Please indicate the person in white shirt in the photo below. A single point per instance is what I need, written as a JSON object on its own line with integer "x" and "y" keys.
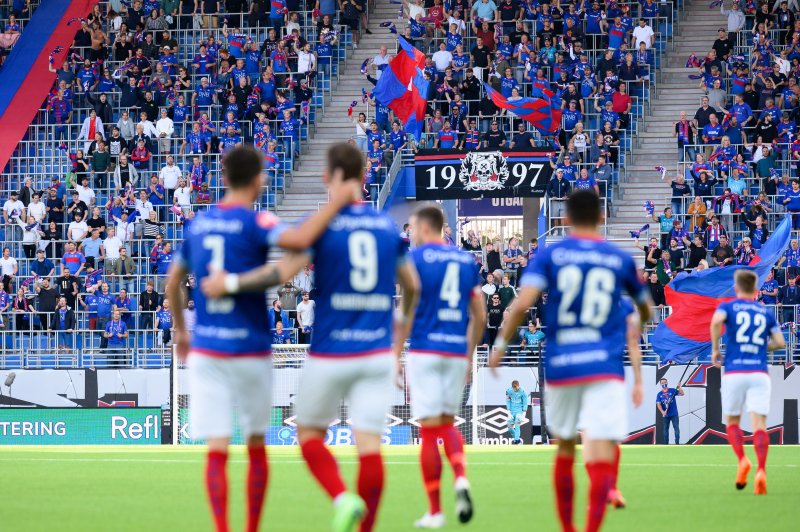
{"x": 11, "y": 208}
{"x": 415, "y": 8}
{"x": 145, "y": 208}
{"x": 306, "y": 59}
{"x": 124, "y": 228}
{"x": 8, "y": 268}
{"x": 36, "y": 208}
{"x": 305, "y": 318}
{"x": 111, "y": 246}
{"x": 643, "y": 33}
{"x": 380, "y": 60}
{"x": 190, "y": 315}
{"x": 77, "y": 230}
{"x": 442, "y": 59}
{"x": 169, "y": 175}
{"x": 165, "y": 129}
{"x": 85, "y": 193}
{"x": 183, "y": 196}
{"x": 148, "y": 128}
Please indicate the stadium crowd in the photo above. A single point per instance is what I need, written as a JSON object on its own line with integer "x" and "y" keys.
{"x": 151, "y": 94}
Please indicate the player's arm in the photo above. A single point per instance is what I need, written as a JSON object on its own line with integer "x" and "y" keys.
{"x": 408, "y": 280}
{"x": 221, "y": 283}
{"x": 776, "y": 340}
{"x": 633, "y": 334}
{"x": 477, "y": 322}
{"x": 526, "y": 298}
{"x": 716, "y": 333}
{"x": 301, "y": 237}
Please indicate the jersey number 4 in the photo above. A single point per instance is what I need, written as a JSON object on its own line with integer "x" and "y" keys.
{"x": 595, "y": 305}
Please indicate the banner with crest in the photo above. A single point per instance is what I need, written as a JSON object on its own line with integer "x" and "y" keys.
{"x": 485, "y": 173}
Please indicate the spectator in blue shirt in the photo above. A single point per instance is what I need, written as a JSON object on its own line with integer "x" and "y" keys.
{"x": 116, "y": 336}
{"x": 791, "y": 201}
{"x": 281, "y": 336}
{"x": 164, "y": 323}
{"x": 668, "y": 407}
{"x": 768, "y": 294}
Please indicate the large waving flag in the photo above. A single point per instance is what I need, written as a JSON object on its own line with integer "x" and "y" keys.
{"x": 543, "y": 111}
{"x": 403, "y": 88}
{"x": 25, "y": 79}
{"x": 685, "y": 334}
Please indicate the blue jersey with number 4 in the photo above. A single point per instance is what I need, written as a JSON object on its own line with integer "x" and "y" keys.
{"x": 585, "y": 279}
{"x": 355, "y": 261}
{"x": 748, "y": 326}
{"x": 449, "y": 279}
{"x": 235, "y": 239}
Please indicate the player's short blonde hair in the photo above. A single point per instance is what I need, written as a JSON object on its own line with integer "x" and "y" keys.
{"x": 746, "y": 281}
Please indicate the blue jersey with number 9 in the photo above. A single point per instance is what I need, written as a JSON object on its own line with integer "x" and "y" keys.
{"x": 748, "y": 326}
{"x": 355, "y": 263}
{"x": 235, "y": 239}
{"x": 585, "y": 330}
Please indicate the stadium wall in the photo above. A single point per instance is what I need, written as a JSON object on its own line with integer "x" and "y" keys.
{"x": 108, "y": 406}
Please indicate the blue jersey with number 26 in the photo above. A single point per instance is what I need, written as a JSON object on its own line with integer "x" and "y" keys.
{"x": 355, "y": 261}
{"x": 748, "y": 326}
{"x": 235, "y": 239}
{"x": 585, "y": 279}
{"x": 448, "y": 277}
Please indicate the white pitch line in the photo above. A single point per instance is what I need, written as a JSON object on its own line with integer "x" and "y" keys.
{"x": 388, "y": 462}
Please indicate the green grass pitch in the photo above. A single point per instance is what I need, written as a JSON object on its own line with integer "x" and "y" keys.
{"x": 160, "y": 488}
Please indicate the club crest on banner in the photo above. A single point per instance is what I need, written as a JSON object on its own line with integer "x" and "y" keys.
{"x": 483, "y": 171}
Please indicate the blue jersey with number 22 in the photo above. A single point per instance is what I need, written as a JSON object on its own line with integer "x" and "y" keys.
{"x": 585, "y": 279}
{"x": 355, "y": 261}
{"x": 449, "y": 278}
{"x": 235, "y": 239}
{"x": 748, "y": 326}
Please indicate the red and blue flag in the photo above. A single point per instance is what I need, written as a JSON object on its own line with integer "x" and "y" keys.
{"x": 694, "y": 297}
{"x": 403, "y": 88}
{"x": 543, "y": 110}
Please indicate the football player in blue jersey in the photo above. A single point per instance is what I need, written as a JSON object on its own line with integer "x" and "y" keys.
{"x": 230, "y": 347}
{"x": 357, "y": 260}
{"x": 750, "y": 332}
{"x": 448, "y": 324}
{"x": 585, "y": 277}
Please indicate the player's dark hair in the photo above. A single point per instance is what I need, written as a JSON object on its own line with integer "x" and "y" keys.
{"x": 348, "y": 159}
{"x": 431, "y": 215}
{"x": 583, "y": 208}
{"x": 241, "y": 166}
{"x": 746, "y": 281}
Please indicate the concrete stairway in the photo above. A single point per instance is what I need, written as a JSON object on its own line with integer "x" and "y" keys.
{"x": 307, "y": 190}
{"x": 675, "y": 93}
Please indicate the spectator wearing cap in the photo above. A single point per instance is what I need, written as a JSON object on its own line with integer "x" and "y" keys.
{"x": 12, "y": 208}
{"x": 42, "y": 266}
{"x": 724, "y": 44}
{"x": 722, "y": 255}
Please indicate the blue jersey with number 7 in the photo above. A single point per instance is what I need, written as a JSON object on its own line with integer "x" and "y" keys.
{"x": 585, "y": 330}
{"x": 355, "y": 262}
{"x": 748, "y": 327}
{"x": 235, "y": 239}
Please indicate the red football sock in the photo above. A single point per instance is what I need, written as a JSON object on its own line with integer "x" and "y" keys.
{"x": 761, "y": 444}
{"x": 736, "y": 439}
{"x": 370, "y": 487}
{"x": 454, "y": 449}
{"x": 601, "y": 474}
{"x": 257, "y": 475}
{"x": 323, "y": 466}
{"x": 431, "y": 463}
{"x": 217, "y": 488}
{"x": 617, "y": 456}
{"x": 565, "y": 489}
